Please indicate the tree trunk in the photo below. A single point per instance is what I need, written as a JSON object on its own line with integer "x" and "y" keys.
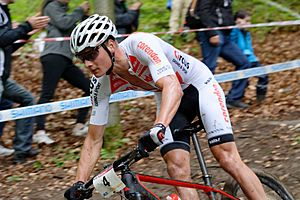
{"x": 106, "y": 7}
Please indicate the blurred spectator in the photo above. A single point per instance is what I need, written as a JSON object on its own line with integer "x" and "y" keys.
{"x": 215, "y": 43}
{"x": 169, "y": 4}
{"x": 127, "y": 20}
{"x": 178, "y": 11}
{"x": 242, "y": 38}
{"x": 4, "y": 105}
{"x": 11, "y": 90}
{"x": 57, "y": 63}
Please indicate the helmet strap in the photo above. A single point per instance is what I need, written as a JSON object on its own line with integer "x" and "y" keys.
{"x": 112, "y": 58}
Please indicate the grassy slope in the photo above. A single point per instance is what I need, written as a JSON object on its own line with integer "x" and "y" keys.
{"x": 154, "y": 15}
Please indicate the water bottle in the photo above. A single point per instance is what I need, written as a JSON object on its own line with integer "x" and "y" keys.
{"x": 173, "y": 197}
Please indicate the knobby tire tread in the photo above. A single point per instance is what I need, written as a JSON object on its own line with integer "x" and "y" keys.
{"x": 232, "y": 187}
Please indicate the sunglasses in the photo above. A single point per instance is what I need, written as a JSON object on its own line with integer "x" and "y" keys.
{"x": 89, "y": 54}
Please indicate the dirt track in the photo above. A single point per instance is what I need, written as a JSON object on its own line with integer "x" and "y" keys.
{"x": 263, "y": 144}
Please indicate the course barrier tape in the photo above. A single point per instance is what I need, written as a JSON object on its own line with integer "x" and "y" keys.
{"x": 282, "y": 23}
{"x": 59, "y": 106}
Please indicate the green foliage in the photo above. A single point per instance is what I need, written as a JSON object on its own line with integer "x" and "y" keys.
{"x": 22, "y": 9}
{"x": 154, "y": 16}
{"x": 59, "y": 161}
{"x": 37, "y": 165}
{"x": 113, "y": 140}
{"x": 14, "y": 178}
{"x": 262, "y": 12}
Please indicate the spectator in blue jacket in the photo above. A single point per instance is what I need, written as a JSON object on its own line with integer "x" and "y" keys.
{"x": 215, "y": 43}
{"x": 242, "y": 38}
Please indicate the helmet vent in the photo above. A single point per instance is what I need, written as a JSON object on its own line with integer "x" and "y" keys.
{"x": 93, "y": 37}
{"x": 91, "y": 32}
{"x": 80, "y": 42}
{"x": 106, "y": 26}
{"x": 81, "y": 29}
{"x": 101, "y": 36}
{"x": 98, "y": 26}
{"x": 90, "y": 26}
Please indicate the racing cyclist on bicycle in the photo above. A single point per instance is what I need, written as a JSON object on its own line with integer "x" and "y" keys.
{"x": 184, "y": 87}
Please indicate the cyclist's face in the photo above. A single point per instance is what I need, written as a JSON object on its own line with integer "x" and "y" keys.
{"x": 96, "y": 60}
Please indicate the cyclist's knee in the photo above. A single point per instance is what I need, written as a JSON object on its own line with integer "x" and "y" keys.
{"x": 229, "y": 163}
{"x": 178, "y": 171}
{"x": 178, "y": 164}
{"x": 228, "y": 157}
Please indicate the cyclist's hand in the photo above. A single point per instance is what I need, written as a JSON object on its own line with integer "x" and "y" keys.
{"x": 153, "y": 138}
{"x": 78, "y": 192}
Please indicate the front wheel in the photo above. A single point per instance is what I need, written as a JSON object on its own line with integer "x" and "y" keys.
{"x": 275, "y": 190}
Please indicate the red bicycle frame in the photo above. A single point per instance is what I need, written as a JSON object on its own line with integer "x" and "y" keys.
{"x": 164, "y": 181}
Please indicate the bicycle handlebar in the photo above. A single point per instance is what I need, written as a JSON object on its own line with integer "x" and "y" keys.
{"x": 136, "y": 154}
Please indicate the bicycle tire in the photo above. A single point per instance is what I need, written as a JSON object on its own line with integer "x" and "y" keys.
{"x": 270, "y": 183}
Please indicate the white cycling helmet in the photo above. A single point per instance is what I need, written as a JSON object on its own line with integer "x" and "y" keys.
{"x": 92, "y": 32}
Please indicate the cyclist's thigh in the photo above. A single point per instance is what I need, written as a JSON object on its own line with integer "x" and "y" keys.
{"x": 186, "y": 113}
{"x": 214, "y": 114}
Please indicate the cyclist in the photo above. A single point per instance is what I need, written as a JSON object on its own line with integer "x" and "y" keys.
{"x": 184, "y": 87}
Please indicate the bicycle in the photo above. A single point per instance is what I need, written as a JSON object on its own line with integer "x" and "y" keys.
{"x": 128, "y": 183}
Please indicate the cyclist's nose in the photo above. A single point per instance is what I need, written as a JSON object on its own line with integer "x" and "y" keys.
{"x": 88, "y": 64}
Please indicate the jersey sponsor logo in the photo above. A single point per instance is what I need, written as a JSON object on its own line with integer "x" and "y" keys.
{"x": 179, "y": 78}
{"x": 208, "y": 80}
{"x": 217, "y": 130}
{"x": 30, "y": 111}
{"x": 140, "y": 70}
{"x": 163, "y": 69}
{"x": 94, "y": 90}
{"x": 137, "y": 67}
{"x": 181, "y": 62}
{"x": 221, "y": 103}
{"x": 215, "y": 140}
{"x": 116, "y": 83}
{"x": 148, "y": 50}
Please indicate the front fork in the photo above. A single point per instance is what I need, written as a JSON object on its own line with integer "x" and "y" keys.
{"x": 130, "y": 191}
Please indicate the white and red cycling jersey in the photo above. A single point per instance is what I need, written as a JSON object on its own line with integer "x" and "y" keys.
{"x": 150, "y": 59}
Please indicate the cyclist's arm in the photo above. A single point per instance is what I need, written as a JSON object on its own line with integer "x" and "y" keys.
{"x": 149, "y": 51}
{"x": 170, "y": 101}
{"x": 90, "y": 152}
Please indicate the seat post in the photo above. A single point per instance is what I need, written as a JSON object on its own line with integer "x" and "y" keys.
{"x": 206, "y": 177}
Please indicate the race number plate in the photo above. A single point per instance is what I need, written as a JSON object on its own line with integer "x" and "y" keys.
{"x": 108, "y": 183}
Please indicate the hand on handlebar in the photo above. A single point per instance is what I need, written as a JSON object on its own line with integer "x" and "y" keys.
{"x": 152, "y": 138}
{"x": 78, "y": 192}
